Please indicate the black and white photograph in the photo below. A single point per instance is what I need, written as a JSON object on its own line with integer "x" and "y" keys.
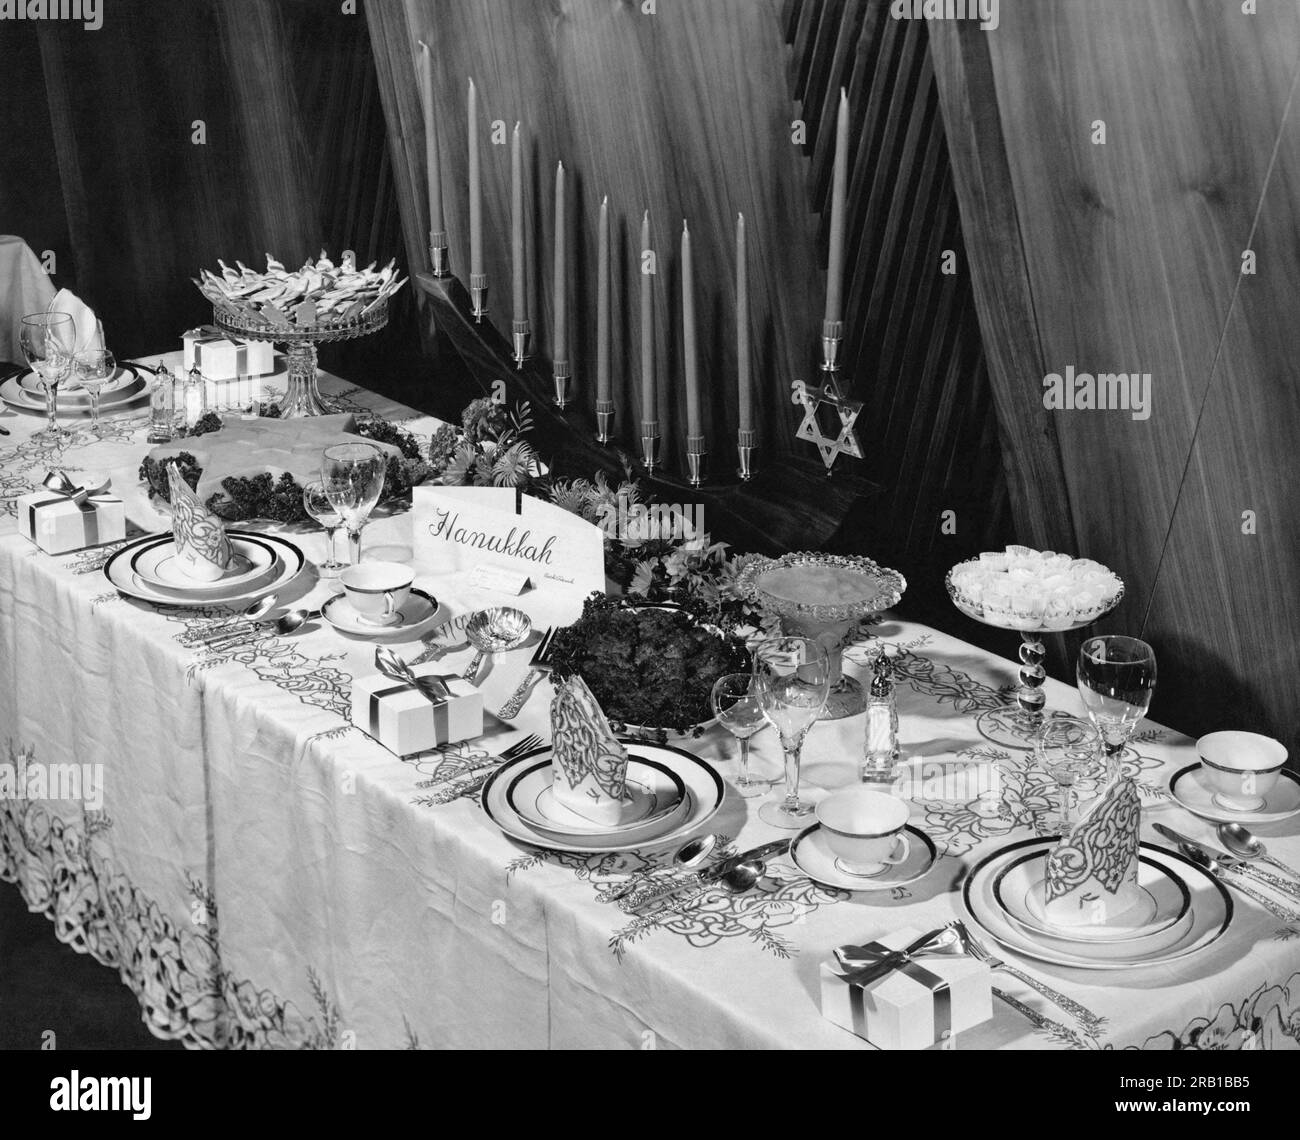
{"x": 683, "y": 526}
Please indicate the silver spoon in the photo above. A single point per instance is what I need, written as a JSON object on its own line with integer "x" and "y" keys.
{"x": 495, "y": 631}
{"x": 744, "y": 875}
{"x": 1245, "y": 843}
{"x": 293, "y": 620}
{"x": 1219, "y": 870}
{"x": 696, "y": 851}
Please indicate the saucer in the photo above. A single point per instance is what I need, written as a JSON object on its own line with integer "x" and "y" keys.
{"x": 814, "y": 858}
{"x": 1282, "y": 801}
{"x": 415, "y": 612}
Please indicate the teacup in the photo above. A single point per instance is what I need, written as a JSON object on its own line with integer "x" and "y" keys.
{"x": 864, "y": 830}
{"x": 1240, "y": 768}
{"x": 377, "y": 590}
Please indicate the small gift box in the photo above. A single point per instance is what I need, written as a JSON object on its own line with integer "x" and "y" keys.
{"x": 64, "y": 516}
{"x": 220, "y": 357}
{"x": 407, "y": 710}
{"x": 907, "y": 991}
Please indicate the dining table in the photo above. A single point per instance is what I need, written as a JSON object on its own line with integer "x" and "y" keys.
{"x": 263, "y": 874}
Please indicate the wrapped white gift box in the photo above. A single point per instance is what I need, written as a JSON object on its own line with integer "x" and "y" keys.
{"x": 405, "y": 720}
{"x": 924, "y": 1003}
{"x": 58, "y": 524}
{"x": 220, "y": 358}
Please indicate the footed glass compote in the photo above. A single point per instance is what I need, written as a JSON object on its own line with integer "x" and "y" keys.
{"x": 1017, "y": 726}
{"x": 824, "y": 597}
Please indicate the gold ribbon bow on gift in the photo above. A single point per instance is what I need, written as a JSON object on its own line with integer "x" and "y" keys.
{"x": 863, "y": 965}
{"x": 59, "y": 483}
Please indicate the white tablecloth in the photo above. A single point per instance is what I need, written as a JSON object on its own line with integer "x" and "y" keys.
{"x": 263, "y": 874}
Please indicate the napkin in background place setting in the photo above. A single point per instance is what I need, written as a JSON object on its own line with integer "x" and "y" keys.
{"x": 89, "y": 334}
{"x": 1092, "y": 873}
{"x": 202, "y": 549}
{"x": 589, "y": 765}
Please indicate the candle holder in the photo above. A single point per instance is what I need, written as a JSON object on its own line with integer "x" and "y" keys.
{"x": 521, "y": 332}
{"x": 478, "y": 291}
{"x": 746, "y": 441}
{"x": 562, "y": 376}
{"x": 439, "y": 255}
{"x": 649, "y": 444}
{"x": 604, "y": 420}
{"x": 832, "y": 336}
{"x": 696, "y": 451}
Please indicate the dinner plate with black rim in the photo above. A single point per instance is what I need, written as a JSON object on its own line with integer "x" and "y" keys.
{"x": 1163, "y": 901}
{"x": 704, "y": 794}
{"x": 657, "y": 794}
{"x": 126, "y": 581}
{"x": 254, "y": 559}
{"x": 815, "y": 859}
{"x": 1211, "y": 911}
{"x": 1282, "y": 801}
{"x": 18, "y": 393}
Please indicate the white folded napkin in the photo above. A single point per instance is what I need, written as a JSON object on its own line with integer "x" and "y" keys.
{"x": 89, "y": 335}
{"x": 589, "y": 765}
{"x": 202, "y": 549}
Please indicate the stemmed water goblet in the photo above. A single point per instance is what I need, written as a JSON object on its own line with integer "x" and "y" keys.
{"x": 317, "y": 504}
{"x": 48, "y": 341}
{"x": 1070, "y": 751}
{"x": 1116, "y": 677}
{"x": 94, "y": 368}
{"x": 792, "y": 676}
{"x": 353, "y": 476}
{"x": 736, "y": 702}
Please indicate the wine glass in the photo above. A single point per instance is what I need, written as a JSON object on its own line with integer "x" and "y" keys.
{"x": 353, "y": 475}
{"x": 48, "y": 341}
{"x": 1117, "y": 676}
{"x": 317, "y": 504}
{"x": 736, "y": 703}
{"x": 1070, "y": 751}
{"x": 792, "y": 676}
{"x": 95, "y": 368}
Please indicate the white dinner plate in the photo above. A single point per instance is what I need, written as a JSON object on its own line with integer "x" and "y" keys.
{"x": 1282, "y": 801}
{"x": 1211, "y": 911}
{"x": 254, "y": 561}
{"x": 124, "y": 385}
{"x": 415, "y": 613}
{"x": 16, "y": 393}
{"x": 1163, "y": 902}
{"x": 815, "y": 859}
{"x": 658, "y": 797}
{"x": 704, "y": 794}
{"x": 126, "y": 581}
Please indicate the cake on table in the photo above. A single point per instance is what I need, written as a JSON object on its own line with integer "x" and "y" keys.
{"x": 588, "y": 764}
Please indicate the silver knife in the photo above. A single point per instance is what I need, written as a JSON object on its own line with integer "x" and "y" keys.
{"x": 1232, "y": 862}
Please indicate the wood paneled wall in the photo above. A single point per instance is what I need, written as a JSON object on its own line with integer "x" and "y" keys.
{"x": 1127, "y": 256}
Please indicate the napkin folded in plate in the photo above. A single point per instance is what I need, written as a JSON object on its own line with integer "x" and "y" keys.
{"x": 588, "y": 765}
{"x": 202, "y": 549}
{"x": 89, "y": 334}
{"x": 1092, "y": 873}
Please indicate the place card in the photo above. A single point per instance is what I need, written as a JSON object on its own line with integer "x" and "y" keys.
{"x": 499, "y": 579}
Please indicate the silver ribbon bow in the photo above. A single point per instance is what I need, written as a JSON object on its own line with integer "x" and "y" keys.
{"x": 59, "y": 483}
{"x": 395, "y": 669}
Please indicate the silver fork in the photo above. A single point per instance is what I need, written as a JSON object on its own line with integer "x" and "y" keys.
{"x": 538, "y": 667}
{"x": 976, "y": 949}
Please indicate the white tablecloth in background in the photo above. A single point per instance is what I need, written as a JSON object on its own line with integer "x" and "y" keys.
{"x": 24, "y": 288}
{"x": 263, "y": 874}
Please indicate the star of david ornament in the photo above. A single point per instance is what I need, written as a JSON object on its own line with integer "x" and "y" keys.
{"x": 828, "y": 394}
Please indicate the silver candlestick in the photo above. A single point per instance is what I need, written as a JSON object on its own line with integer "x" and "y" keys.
{"x": 478, "y": 291}
{"x": 439, "y": 256}
{"x": 562, "y": 376}
{"x": 695, "y": 453}
{"x": 604, "y": 420}
{"x": 832, "y": 336}
{"x": 521, "y": 332}
{"x": 746, "y": 441}
{"x": 649, "y": 444}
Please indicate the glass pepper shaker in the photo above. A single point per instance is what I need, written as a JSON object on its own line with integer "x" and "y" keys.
{"x": 162, "y": 406}
{"x": 880, "y": 753}
{"x": 195, "y": 398}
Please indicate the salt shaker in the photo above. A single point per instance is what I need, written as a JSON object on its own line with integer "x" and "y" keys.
{"x": 195, "y": 397}
{"x": 162, "y": 406}
{"x": 880, "y": 753}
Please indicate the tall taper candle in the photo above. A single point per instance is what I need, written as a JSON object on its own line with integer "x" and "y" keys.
{"x": 560, "y": 339}
{"x": 475, "y": 189}
{"x": 693, "y": 427}
{"x": 436, "y": 224}
{"x": 517, "y": 227}
{"x": 602, "y": 303}
{"x": 648, "y": 401}
{"x": 746, "y": 401}
{"x": 839, "y": 184}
